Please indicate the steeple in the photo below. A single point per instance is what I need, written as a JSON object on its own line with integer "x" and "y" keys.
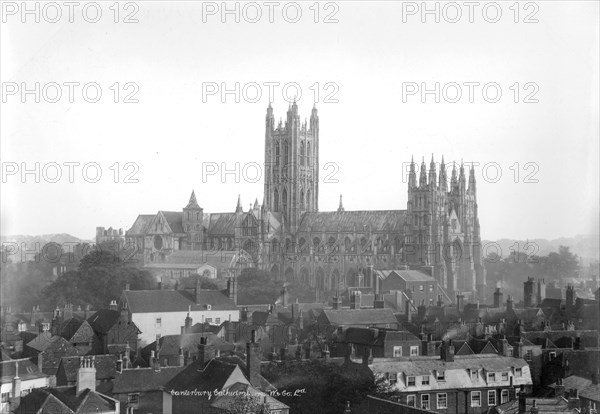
{"x": 453, "y": 180}
{"x": 432, "y": 173}
{"x": 412, "y": 175}
{"x": 263, "y": 207}
{"x": 255, "y": 207}
{"x": 443, "y": 182}
{"x": 461, "y": 177}
{"x": 423, "y": 174}
{"x": 472, "y": 187}
{"x": 341, "y": 207}
{"x": 193, "y": 203}
{"x": 238, "y": 208}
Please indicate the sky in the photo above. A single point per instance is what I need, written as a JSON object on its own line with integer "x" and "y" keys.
{"x": 101, "y": 162}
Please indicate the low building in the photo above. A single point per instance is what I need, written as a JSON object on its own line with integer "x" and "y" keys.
{"x": 381, "y": 343}
{"x": 163, "y": 312}
{"x": 18, "y": 377}
{"x": 451, "y": 384}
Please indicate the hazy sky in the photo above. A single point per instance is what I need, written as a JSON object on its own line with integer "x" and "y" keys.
{"x": 369, "y": 56}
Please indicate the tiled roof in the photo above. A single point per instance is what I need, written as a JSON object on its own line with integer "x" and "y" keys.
{"x": 45, "y": 341}
{"x": 374, "y": 336}
{"x": 224, "y": 402}
{"x": 27, "y": 370}
{"x": 380, "y": 221}
{"x": 545, "y": 406}
{"x": 359, "y": 316}
{"x": 84, "y": 401}
{"x": 140, "y": 225}
{"x": 213, "y": 377}
{"x": 143, "y": 379}
{"x": 407, "y": 275}
{"x": 105, "y": 367}
{"x": 222, "y": 224}
{"x": 142, "y": 301}
{"x": 174, "y": 220}
{"x": 587, "y": 389}
{"x": 41, "y": 401}
{"x": 170, "y": 344}
{"x": 85, "y": 333}
{"x": 103, "y": 320}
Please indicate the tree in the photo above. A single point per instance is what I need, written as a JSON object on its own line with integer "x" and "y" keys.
{"x": 256, "y": 286}
{"x": 189, "y": 282}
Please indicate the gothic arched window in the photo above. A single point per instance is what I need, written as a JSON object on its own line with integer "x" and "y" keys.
{"x": 308, "y": 203}
{"x": 284, "y": 200}
{"x": 276, "y": 201}
{"x": 302, "y": 153}
{"x": 301, "y": 200}
{"x": 277, "y": 153}
{"x": 308, "y": 154}
{"x": 285, "y": 154}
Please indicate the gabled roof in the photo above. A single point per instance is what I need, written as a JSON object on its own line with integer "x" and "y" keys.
{"x": 193, "y": 259}
{"x": 140, "y": 225}
{"x": 214, "y": 376}
{"x": 380, "y": 221}
{"x": 87, "y": 398}
{"x": 41, "y": 401}
{"x": 103, "y": 320}
{"x": 587, "y": 389}
{"x": 374, "y": 336}
{"x": 45, "y": 341}
{"x": 170, "y": 344}
{"x": 143, "y": 379}
{"x": 105, "y": 367}
{"x": 143, "y": 301}
{"x": 174, "y": 220}
{"x": 85, "y": 333}
{"x": 407, "y": 275}
{"x": 224, "y": 402}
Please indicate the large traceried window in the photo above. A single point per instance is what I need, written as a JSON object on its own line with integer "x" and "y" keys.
{"x": 277, "y": 153}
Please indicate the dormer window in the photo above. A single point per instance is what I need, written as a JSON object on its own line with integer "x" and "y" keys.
{"x": 474, "y": 375}
{"x": 410, "y": 381}
{"x": 505, "y": 376}
{"x": 491, "y": 376}
{"x": 441, "y": 375}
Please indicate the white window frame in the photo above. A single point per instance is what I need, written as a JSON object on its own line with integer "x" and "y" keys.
{"x": 412, "y": 397}
{"x": 504, "y": 376}
{"x": 473, "y": 394}
{"x": 440, "y": 376}
{"x": 392, "y": 377}
{"x": 518, "y": 372}
{"x": 474, "y": 375}
{"x": 428, "y": 402}
{"x": 158, "y": 322}
{"x": 445, "y": 405}
{"x": 491, "y": 377}
{"x": 397, "y": 351}
{"x": 408, "y": 381}
{"x": 424, "y": 379}
{"x": 415, "y": 349}
{"x": 492, "y": 393}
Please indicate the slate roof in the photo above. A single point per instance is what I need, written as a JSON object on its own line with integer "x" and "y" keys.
{"x": 140, "y": 225}
{"x": 105, "y": 368}
{"x": 103, "y": 320}
{"x": 174, "y": 220}
{"x": 381, "y": 221}
{"x": 84, "y": 401}
{"x": 358, "y": 316}
{"x": 377, "y": 337}
{"x": 545, "y": 406}
{"x": 40, "y": 400}
{"x": 222, "y": 224}
{"x": 143, "y": 379}
{"x": 144, "y": 301}
{"x": 192, "y": 259}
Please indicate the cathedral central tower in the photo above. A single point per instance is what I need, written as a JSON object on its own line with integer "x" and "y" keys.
{"x": 292, "y": 166}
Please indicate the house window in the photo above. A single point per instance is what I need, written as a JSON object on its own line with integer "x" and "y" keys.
{"x": 133, "y": 399}
{"x": 158, "y": 322}
{"x": 425, "y": 401}
{"x": 6, "y": 397}
{"x": 425, "y": 380}
{"x": 491, "y": 376}
{"x": 208, "y": 320}
{"x": 474, "y": 375}
{"x": 410, "y": 381}
{"x": 218, "y": 321}
{"x": 431, "y": 288}
{"x": 505, "y": 376}
{"x": 421, "y": 288}
{"x": 414, "y": 351}
{"x": 442, "y": 401}
{"x": 441, "y": 376}
{"x": 491, "y": 398}
{"x": 410, "y": 400}
{"x": 392, "y": 377}
{"x": 519, "y": 372}
{"x": 397, "y": 351}
{"x": 504, "y": 396}
{"x": 475, "y": 398}
{"x": 529, "y": 355}
{"x": 552, "y": 355}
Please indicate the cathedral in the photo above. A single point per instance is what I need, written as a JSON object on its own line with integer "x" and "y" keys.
{"x": 438, "y": 232}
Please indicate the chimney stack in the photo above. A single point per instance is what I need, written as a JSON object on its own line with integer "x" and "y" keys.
{"x": 232, "y": 289}
{"x": 253, "y": 360}
{"x": 408, "y": 310}
{"x": 447, "y": 351}
{"x": 337, "y": 302}
{"x": 86, "y": 374}
{"x": 460, "y": 299}
{"x": 498, "y": 298}
{"x": 509, "y": 304}
{"x": 355, "y": 300}
{"x": 113, "y": 305}
{"x": 197, "y": 292}
{"x": 181, "y": 358}
{"x": 16, "y": 386}
{"x": 205, "y": 352}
